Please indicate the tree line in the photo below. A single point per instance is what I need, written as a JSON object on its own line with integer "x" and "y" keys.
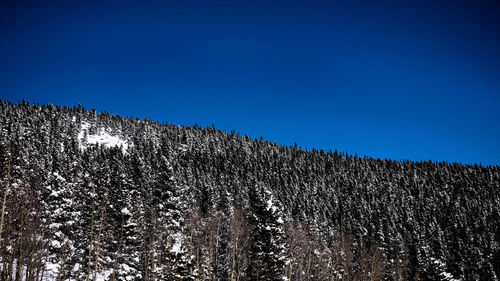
{"x": 193, "y": 203}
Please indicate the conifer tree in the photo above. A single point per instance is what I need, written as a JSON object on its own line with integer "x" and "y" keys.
{"x": 267, "y": 250}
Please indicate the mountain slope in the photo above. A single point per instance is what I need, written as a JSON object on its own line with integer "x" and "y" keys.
{"x": 95, "y": 196}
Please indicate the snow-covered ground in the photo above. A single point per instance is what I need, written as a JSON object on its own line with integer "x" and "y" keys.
{"x": 102, "y": 138}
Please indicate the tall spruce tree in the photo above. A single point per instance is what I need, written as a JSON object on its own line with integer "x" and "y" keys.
{"x": 267, "y": 249}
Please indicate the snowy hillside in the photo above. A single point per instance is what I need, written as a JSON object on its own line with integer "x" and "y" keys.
{"x": 99, "y": 197}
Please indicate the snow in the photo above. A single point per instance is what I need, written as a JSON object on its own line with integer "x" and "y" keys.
{"x": 125, "y": 211}
{"x": 51, "y": 271}
{"x": 55, "y": 244}
{"x": 176, "y": 247}
{"x": 102, "y": 276}
{"x": 59, "y": 177}
{"x": 101, "y": 138}
{"x": 183, "y": 148}
{"x": 76, "y": 268}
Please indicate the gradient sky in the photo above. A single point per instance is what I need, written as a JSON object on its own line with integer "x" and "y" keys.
{"x": 412, "y": 80}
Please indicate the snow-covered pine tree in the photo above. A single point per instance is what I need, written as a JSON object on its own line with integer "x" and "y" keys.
{"x": 267, "y": 249}
{"x": 171, "y": 259}
{"x": 220, "y": 267}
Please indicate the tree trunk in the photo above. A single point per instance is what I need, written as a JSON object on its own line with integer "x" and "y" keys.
{"x": 101, "y": 223}
{"x": 5, "y": 199}
{"x": 117, "y": 254}
{"x": 91, "y": 242}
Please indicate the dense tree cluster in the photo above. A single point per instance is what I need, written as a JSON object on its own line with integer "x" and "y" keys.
{"x": 192, "y": 203}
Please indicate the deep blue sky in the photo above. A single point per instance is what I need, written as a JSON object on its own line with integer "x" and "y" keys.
{"x": 412, "y": 80}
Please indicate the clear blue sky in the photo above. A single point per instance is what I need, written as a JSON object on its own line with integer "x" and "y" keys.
{"x": 412, "y": 80}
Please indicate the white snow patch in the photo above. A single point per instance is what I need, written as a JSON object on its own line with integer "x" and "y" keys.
{"x": 51, "y": 270}
{"x": 183, "y": 148}
{"x": 101, "y": 138}
{"x": 104, "y": 275}
{"x": 55, "y": 244}
{"x": 176, "y": 247}
{"x": 58, "y": 177}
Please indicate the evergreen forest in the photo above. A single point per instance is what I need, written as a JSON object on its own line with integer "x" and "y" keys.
{"x": 93, "y": 196}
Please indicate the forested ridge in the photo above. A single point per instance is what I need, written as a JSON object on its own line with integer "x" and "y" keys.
{"x": 94, "y": 196}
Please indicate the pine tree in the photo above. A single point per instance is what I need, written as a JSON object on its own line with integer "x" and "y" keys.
{"x": 220, "y": 266}
{"x": 267, "y": 250}
{"x": 172, "y": 259}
